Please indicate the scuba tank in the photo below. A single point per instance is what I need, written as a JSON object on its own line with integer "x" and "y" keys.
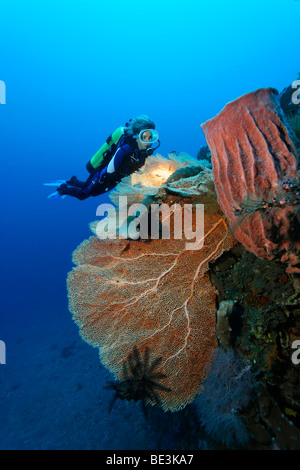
{"x": 97, "y": 159}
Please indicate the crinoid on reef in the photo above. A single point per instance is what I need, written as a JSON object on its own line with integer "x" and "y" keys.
{"x": 140, "y": 379}
{"x": 155, "y": 293}
{"x": 288, "y": 195}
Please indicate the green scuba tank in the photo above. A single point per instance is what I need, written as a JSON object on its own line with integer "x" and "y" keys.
{"x": 97, "y": 159}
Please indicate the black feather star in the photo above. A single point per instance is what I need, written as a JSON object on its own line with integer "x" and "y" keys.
{"x": 140, "y": 380}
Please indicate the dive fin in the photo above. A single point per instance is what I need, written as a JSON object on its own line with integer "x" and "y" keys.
{"x": 55, "y": 183}
{"x": 55, "y": 195}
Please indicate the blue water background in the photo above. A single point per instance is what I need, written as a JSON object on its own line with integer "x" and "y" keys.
{"x": 74, "y": 71}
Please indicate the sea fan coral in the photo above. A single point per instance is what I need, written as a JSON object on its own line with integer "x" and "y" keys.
{"x": 157, "y": 169}
{"x": 140, "y": 379}
{"x": 153, "y": 175}
{"x": 154, "y": 294}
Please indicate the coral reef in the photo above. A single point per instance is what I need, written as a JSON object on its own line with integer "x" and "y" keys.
{"x": 157, "y": 311}
{"x": 294, "y": 122}
{"x": 268, "y": 301}
{"x": 256, "y": 173}
{"x": 204, "y": 156}
{"x": 223, "y": 329}
{"x": 227, "y": 390}
{"x": 157, "y": 169}
{"x": 286, "y": 101}
{"x": 155, "y": 293}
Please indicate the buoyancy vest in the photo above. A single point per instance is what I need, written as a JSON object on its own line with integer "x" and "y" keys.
{"x": 102, "y": 156}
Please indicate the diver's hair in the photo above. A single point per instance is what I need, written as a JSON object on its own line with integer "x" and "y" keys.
{"x": 136, "y": 125}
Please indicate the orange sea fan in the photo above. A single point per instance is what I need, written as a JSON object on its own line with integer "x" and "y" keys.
{"x": 152, "y": 294}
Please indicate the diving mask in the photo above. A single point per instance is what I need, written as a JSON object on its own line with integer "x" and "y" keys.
{"x": 148, "y": 136}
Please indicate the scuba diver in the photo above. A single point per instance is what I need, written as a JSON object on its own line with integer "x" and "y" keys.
{"x": 124, "y": 152}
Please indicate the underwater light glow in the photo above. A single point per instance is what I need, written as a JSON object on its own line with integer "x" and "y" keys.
{"x": 162, "y": 173}
{"x": 155, "y": 175}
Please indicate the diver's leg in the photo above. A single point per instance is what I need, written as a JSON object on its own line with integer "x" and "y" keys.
{"x": 81, "y": 190}
{"x": 91, "y": 187}
{"x": 74, "y": 181}
{"x": 64, "y": 189}
{"x": 103, "y": 187}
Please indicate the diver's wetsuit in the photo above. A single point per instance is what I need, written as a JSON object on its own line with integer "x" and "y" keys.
{"x": 127, "y": 159}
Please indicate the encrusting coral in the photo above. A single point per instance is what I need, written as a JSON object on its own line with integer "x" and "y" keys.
{"x": 256, "y": 173}
{"x": 154, "y": 294}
